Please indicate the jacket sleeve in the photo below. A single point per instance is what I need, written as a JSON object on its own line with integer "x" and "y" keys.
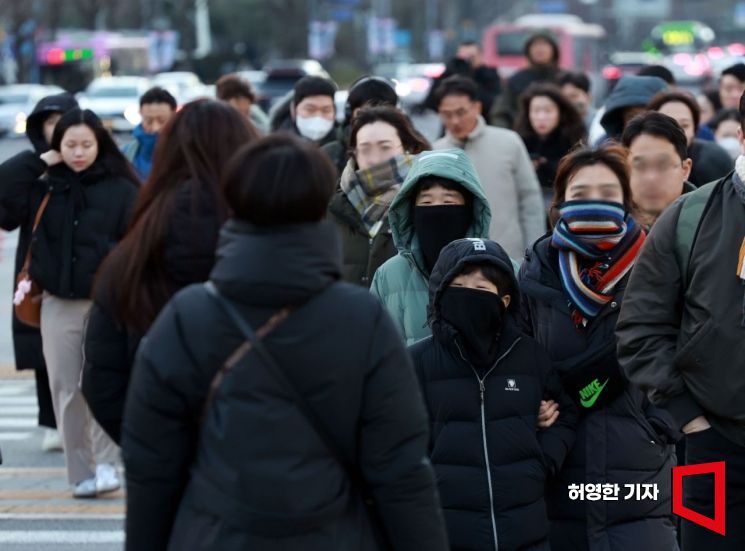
{"x": 558, "y": 439}
{"x": 524, "y": 318}
{"x": 393, "y": 446}
{"x": 531, "y": 211}
{"x": 19, "y": 177}
{"x": 107, "y": 371}
{"x": 650, "y": 319}
{"x": 380, "y": 288}
{"x": 159, "y": 431}
{"x": 502, "y": 110}
{"x": 129, "y": 199}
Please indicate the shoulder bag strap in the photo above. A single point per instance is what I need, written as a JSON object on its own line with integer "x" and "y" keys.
{"x": 37, "y": 221}
{"x": 253, "y": 342}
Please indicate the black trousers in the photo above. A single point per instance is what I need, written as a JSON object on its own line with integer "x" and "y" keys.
{"x": 698, "y": 493}
{"x": 44, "y": 397}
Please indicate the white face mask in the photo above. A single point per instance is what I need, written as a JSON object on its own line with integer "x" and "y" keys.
{"x": 313, "y": 128}
{"x": 731, "y": 146}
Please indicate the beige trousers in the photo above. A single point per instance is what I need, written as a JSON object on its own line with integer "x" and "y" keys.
{"x": 63, "y": 324}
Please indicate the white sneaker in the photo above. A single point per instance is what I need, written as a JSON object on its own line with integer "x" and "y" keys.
{"x": 107, "y": 478}
{"x": 52, "y": 441}
{"x": 85, "y": 489}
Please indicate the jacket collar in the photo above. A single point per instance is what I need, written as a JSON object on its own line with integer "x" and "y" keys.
{"x": 475, "y": 134}
{"x": 276, "y": 266}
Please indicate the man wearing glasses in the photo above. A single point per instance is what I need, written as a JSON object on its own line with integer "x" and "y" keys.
{"x": 659, "y": 161}
{"x": 502, "y": 163}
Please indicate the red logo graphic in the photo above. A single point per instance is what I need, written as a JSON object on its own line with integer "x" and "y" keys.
{"x": 716, "y": 524}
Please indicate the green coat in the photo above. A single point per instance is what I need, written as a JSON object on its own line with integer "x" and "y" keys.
{"x": 402, "y": 282}
{"x": 361, "y": 255}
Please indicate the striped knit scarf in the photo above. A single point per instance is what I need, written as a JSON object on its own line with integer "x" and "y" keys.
{"x": 598, "y": 244}
{"x": 371, "y": 191}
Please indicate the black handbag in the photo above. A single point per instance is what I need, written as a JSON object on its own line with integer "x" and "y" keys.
{"x": 253, "y": 342}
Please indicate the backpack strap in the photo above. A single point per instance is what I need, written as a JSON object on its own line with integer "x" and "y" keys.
{"x": 689, "y": 219}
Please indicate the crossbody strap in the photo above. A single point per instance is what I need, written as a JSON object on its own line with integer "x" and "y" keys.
{"x": 253, "y": 342}
{"x": 37, "y": 221}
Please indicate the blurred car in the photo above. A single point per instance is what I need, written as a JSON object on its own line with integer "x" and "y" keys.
{"x": 254, "y": 78}
{"x": 625, "y": 63}
{"x": 412, "y": 80}
{"x": 17, "y": 101}
{"x": 116, "y": 100}
{"x": 281, "y": 76}
{"x": 689, "y": 69}
{"x": 722, "y": 57}
{"x": 183, "y": 85}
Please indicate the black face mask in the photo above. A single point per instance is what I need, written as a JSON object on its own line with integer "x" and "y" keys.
{"x": 478, "y": 317}
{"x": 438, "y": 226}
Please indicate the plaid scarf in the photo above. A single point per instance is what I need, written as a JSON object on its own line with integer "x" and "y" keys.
{"x": 371, "y": 191}
{"x": 598, "y": 244}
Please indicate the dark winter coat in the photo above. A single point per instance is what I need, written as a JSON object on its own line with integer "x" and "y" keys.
{"x": 361, "y": 254}
{"x": 256, "y": 453}
{"x": 27, "y": 339}
{"x": 87, "y": 214}
{"x": 188, "y": 257}
{"x": 548, "y": 152}
{"x": 625, "y": 442}
{"x": 686, "y": 346}
{"x": 631, "y": 91}
{"x": 490, "y": 437}
{"x": 710, "y": 162}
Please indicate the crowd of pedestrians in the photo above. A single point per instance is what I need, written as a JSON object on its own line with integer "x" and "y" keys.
{"x": 227, "y": 302}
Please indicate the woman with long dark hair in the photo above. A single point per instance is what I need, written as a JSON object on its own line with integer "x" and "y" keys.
{"x": 572, "y": 285}
{"x": 171, "y": 243}
{"x": 382, "y": 141}
{"x": 550, "y": 126}
{"x": 91, "y": 189}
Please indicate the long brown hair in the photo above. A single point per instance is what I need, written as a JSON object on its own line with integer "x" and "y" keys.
{"x": 193, "y": 149}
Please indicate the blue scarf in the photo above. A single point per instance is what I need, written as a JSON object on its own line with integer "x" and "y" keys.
{"x": 143, "y": 161}
{"x": 598, "y": 244}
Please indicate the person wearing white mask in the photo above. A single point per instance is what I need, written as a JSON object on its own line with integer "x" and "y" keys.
{"x": 725, "y": 126}
{"x": 313, "y": 110}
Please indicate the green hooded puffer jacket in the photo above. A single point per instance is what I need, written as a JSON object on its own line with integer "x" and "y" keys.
{"x": 402, "y": 282}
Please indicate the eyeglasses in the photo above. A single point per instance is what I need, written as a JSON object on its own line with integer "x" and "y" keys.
{"x": 457, "y": 114}
{"x": 659, "y": 167}
{"x": 367, "y": 151}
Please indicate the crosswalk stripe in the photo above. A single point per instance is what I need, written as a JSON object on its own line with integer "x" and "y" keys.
{"x": 12, "y": 390}
{"x": 61, "y": 516}
{"x": 33, "y": 471}
{"x": 62, "y": 536}
{"x": 17, "y": 423}
{"x": 91, "y": 507}
{"x": 19, "y": 410}
{"x": 18, "y": 400}
{"x": 14, "y": 436}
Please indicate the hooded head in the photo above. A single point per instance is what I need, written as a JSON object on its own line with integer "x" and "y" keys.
{"x": 450, "y": 165}
{"x": 49, "y": 105}
{"x": 631, "y": 92}
{"x": 547, "y": 38}
{"x": 476, "y": 316}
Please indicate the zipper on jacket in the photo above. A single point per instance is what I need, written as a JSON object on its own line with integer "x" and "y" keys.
{"x": 482, "y": 392}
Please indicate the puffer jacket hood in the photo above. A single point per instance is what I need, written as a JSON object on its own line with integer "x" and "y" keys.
{"x": 451, "y": 262}
{"x": 58, "y": 103}
{"x": 451, "y": 164}
{"x": 631, "y": 91}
